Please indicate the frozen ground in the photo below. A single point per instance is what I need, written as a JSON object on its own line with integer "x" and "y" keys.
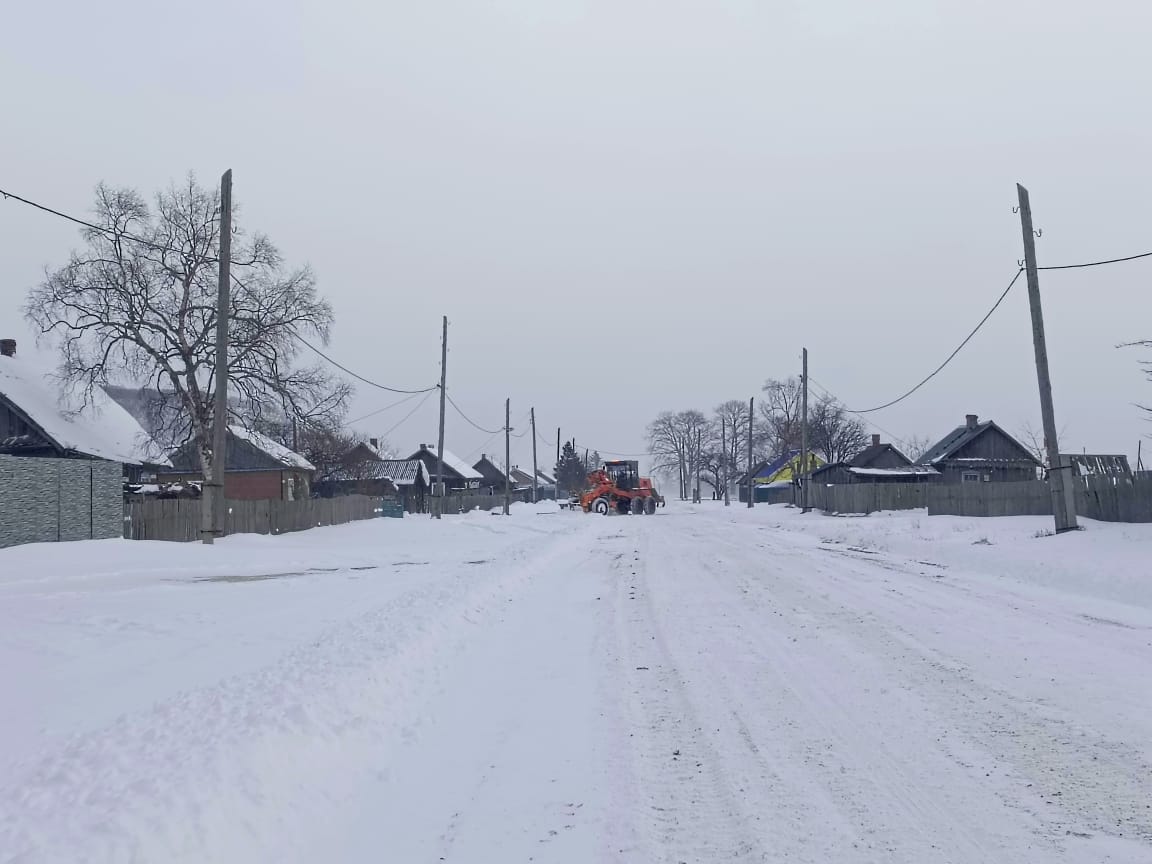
{"x": 709, "y": 684}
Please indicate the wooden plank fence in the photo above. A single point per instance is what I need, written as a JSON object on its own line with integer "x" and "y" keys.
{"x": 461, "y": 503}
{"x": 868, "y": 497}
{"x": 1107, "y": 499}
{"x": 179, "y": 519}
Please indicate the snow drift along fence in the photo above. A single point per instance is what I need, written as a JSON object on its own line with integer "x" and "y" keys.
{"x": 868, "y": 497}
{"x": 179, "y": 519}
{"x": 45, "y": 500}
{"x": 459, "y": 503}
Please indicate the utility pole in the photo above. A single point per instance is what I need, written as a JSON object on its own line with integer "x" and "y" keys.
{"x": 1059, "y": 484}
{"x": 507, "y": 456}
{"x": 438, "y": 495}
{"x": 212, "y": 510}
{"x": 535, "y": 476}
{"x": 804, "y": 508}
{"x": 749, "y": 477}
{"x": 724, "y": 457}
{"x": 556, "y": 467}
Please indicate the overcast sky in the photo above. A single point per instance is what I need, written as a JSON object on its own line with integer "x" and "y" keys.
{"x": 625, "y": 206}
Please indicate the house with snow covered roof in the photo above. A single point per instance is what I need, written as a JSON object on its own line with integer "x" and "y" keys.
{"x": 494, "y": 478}
{"x": 458, "y": 474}
{"x": 366, "y": 470}
{"x": 877, "y": 463}
{"x": 38, "y": 419}
{"x": 980, "y": 452}
{"x": 256, "y": 468}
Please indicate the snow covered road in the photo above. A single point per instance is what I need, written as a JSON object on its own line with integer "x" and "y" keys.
{"x": 710, "y": 684}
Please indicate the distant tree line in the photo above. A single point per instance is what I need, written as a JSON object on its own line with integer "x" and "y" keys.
{"x": 716, "y": 444}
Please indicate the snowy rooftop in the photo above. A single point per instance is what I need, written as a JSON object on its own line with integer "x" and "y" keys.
{"x": 895, "y": 472}
{"x": 101, "y": 429}
{"x": 275, "y": 449}
{"x": 455, "y": 463}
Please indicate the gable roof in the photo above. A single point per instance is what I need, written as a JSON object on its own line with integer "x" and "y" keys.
{"x": 451, "y": 461}
{"x": 489, "y": 471}
{"x": 520, "y": 477}
{"x": 545, "y": 478}
{"x": 277, "y": 451}
{"x": 871, "y": 453}
{"x": 779, "y": 470}
{"x": 405, "y": 472}
{"x": 101, "y": 430}
{"x": 961, "y": 437}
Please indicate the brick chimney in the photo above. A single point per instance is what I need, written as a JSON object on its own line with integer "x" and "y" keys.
{"x": 375, "y": 442}
{"x": 972, "y": 420}
{"x": 875, "y": 440}
{"x": 8, "y": 347}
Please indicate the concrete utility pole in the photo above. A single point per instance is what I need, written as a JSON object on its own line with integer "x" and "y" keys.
{"x": 535, "y": 476}
{"x": 724, "y": 457}
{"x": 1059, "y": 483}
{"x": 749, "y": 476}
{"x": 804, "y": 508}
{"x": 556, "y": 467}
{"x": 438, "y": 493}
{"x": 507, "y": 456}
{"x": 212, "y": 512}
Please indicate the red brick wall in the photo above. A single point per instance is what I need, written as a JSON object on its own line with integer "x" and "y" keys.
{"x": 253, "y": 486}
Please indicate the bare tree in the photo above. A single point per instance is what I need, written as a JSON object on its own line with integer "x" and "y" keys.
{"x": 1147, "y": 364}
{"x": 1033, "y": 440}
{"x": 676, "y": 441}
{"x": 914, "y": 446}
{"x": 835, "y": 434}
{"x": 779, "y": 418}
{"x": 122, "y": 308}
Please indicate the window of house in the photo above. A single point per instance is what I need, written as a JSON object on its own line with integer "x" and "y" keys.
{"x": 970, "y": 477}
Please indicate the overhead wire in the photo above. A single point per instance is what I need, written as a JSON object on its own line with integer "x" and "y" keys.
{"x": 950, "y": 357}
{"x": 385, "y": 408}
{"x": 359, "y": 377}
{"x": 1096, "y": 263}
{"x": 405, "y": 418}
{"x": 829, "y": 394}
{"x": 471, "y": 422}
{"x": 103, "y": 229}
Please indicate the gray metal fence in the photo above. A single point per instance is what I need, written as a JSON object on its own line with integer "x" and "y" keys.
{"x": 45, "y": 500}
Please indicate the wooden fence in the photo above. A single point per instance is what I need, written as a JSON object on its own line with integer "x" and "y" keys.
{"x": 1107, "y": 499}
{"x": 868, "y": 497}
{"x": 179, "y": 519}
{"x": 1029, "y": 498}
{"x": 461, "y": 503}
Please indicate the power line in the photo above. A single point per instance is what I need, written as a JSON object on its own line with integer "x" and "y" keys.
{"x": 385, "y": 408}
{"x": 404, "y": 419}
{"x": 835, "y": 398}
{"x": 1096, "y": 263}
{"x": 940, "y": 368}
{"x": 371, "y": 383}
{"x": 102, "y": 229}
{"x": 460, "y": 411}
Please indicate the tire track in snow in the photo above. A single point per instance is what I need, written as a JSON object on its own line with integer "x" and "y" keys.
{"x": 1106, "y": 785}
{"x": 682, "y": 804}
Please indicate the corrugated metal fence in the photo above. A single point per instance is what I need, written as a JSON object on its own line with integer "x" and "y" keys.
{"x": 45, "y": 500}
{"x": 179, "y": 519}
